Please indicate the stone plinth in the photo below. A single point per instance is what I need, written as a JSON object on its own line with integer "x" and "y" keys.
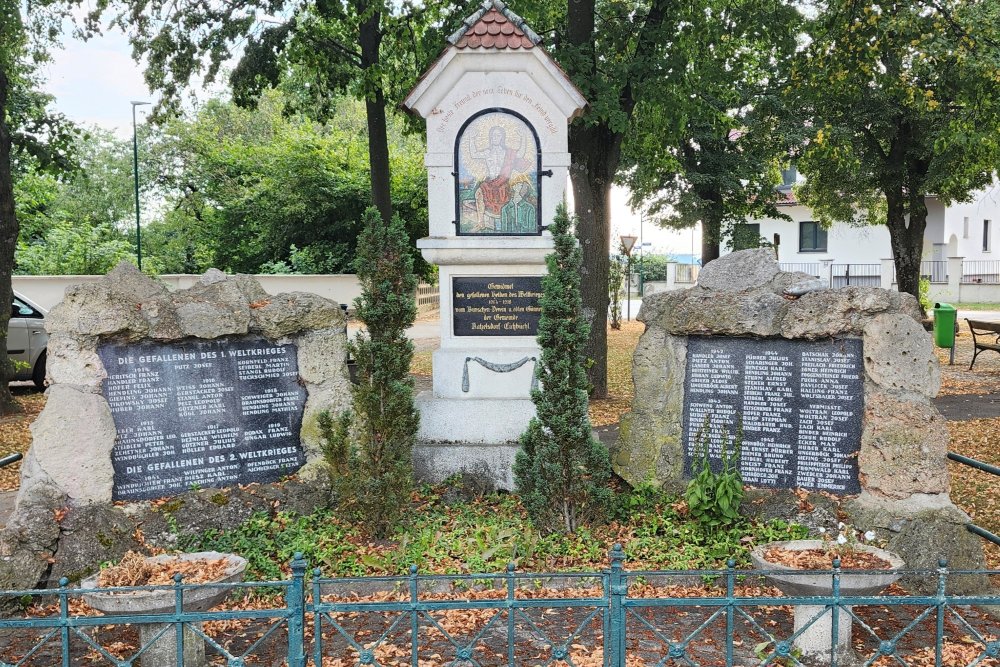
{"x": 497, "y": 110}
{"x": 902, "y": 467}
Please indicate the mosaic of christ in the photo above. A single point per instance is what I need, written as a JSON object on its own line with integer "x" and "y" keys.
{"x": 497, "y": 176}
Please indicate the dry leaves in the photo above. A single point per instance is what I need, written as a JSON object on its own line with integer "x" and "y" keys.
{"x": 15, "y": 436}
{"x": 821, "y": 559}
{"x": 134, "y": 569}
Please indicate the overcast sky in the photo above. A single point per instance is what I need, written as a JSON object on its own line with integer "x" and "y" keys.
{"x": 95, "y": 81}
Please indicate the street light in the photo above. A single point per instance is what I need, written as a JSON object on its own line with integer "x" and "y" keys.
{"x": 135, "y": 173}
{"x": 627, "y": 243}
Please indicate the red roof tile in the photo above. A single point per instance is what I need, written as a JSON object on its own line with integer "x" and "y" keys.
{"x": 494, "y": 30}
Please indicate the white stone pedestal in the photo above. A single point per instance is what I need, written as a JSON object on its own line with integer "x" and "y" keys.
{"x": 497, "y": 110}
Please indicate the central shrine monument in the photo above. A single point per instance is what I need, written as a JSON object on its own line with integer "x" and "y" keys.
{"x": 497, "y": 110}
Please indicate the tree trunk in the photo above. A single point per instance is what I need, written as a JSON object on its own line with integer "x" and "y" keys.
{"x": 378, "y": 142}
{"x": 711, "y": 226}
{"x": 8, "y": 242}
{"x": 595, "y": 155}
{"x": 907, "y": 240}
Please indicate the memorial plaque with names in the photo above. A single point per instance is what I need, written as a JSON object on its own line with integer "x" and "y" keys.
{"x": 496, "y": 306}
{"x": 202, "y": 414}
{"x": 801, "y": 404}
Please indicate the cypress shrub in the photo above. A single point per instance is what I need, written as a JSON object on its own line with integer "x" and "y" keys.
{"x": 562, "y": 471}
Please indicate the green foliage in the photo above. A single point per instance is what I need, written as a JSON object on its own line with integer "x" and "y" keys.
{"x": 483, "y": 535}
{"x": 714, "y": 497}
{"x": 901, "y": 103}
{"x": 264, "y": 190}
{"x": 561, "y": 470}
{"x": 654, "y": 267}
{"x": 372, "y": 452}
{"x": 924, "y": 290}
{"x": 616, "y": 281}
{"x": 706, "y": 146}
{"x": 70, "y": 248}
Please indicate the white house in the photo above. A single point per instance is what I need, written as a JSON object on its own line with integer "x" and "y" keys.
{"x": 959, "y": 239}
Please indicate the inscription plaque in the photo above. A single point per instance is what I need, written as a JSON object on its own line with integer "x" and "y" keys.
{"x": 496, "y": 306}
{"x": 800, "y": 402}
{"x": 202, "y": 413}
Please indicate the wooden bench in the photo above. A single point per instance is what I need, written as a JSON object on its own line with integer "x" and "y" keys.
{"x": 982, "y": 329}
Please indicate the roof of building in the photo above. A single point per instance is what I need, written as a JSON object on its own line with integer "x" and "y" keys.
{"x": 494, "y": 26}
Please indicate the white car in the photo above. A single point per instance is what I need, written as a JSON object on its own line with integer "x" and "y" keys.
{"x": 27, "y": 339}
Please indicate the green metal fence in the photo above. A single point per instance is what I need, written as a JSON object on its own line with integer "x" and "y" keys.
{"x": 611, "y": 618}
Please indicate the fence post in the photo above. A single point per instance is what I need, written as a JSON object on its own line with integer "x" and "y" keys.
{"x": 510, "y": 615}
{"x": 614, "y": 641}
{"x": 295, "y": 601}
{"x": 64, "y": 620}
{"x": 414, "y": 616}
{"x": 955, "y": 273}
{"x": 941, "y": 601}
{"x": 826, "y": 271}
{"x": 730, "y": 610}
{"x": 888, "y": 271}
{"x": 671, "y": 275}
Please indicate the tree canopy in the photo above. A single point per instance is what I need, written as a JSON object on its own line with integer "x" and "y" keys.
{"x": 902, "y": 102}
{"x": 709, "y": 149}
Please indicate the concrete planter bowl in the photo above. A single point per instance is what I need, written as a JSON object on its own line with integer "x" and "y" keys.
{"x": 814, "y": 623}
{"x": 159, "y": 639}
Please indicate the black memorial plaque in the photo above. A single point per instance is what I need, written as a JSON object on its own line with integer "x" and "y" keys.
{"x": 203, "y": 413}
{"x": 496, "y": 306}
{"x": 800, "y": 402}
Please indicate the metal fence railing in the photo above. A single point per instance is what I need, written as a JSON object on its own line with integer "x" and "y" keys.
{"x": 611, "y": 618}
{"x": 936, "y": 271}
{"x": 428, "y": 299}
{"x": 686, "y": 274}
{"x": 981, "y": 272}
{"x": 814, "y": 269}
{"x": 862, "y": 275}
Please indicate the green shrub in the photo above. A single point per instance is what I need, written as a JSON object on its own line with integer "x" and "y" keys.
{"x": 714, "y": 498}
{"x": 370, "y": 452}
{"x": 561, "y": 471}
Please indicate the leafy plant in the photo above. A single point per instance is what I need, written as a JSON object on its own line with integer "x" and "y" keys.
{"x": 923, "y": 293}
{"x": 371, "y": 451}
{"x": 616, "y": 278}
{"x": 713, "y": 497}
{"x": 562, "y": 471}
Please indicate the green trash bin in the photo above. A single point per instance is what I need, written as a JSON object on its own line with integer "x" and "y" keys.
{"x": 945, "y": 315}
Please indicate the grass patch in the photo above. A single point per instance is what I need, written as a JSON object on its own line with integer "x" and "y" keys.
{"x": 446, "y": 535}
{"x": 977, "y": 306}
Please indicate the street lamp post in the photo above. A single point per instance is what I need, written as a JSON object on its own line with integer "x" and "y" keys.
{"x": 135, "y": 173}
{"x": 627, "y": 243}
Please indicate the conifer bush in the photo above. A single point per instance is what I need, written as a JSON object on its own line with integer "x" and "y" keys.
{"x": 561, "y": 470}
{"x": 370, "y": 451}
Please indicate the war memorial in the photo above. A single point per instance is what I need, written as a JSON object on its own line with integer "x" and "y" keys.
{"x": 208, "y": 400}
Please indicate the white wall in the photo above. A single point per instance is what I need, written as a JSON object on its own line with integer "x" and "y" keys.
{"x": 47, "y": 291}
{"x": 984, "y": 206}
{"x": 845, "y": 244}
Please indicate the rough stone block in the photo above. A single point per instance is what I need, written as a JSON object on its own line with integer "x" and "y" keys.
{"x": 740, "y": 271}
{"x": 285, "y": 314}
{"x": 702, "y": 312}
{"x": 903, "y": 447}
{"x": 71, "y": 442}
{"x": 834, "y": 312}
{"x": 899, "y": 356}
{"x": 923, "y": 529}
{"x": 322, "y": 354}
{"x": 74, "y": 361}
{"x": 649, "y": 446}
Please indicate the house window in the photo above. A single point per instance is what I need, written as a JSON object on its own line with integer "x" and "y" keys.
{"x": 812, "y": 237}
{"x": 746, "y": 235}
{"x": 987, "y": 241}
{"x": 965, "y": 227}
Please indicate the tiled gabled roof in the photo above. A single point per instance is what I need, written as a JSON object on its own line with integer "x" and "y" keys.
{"x": 494, "y": 26}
